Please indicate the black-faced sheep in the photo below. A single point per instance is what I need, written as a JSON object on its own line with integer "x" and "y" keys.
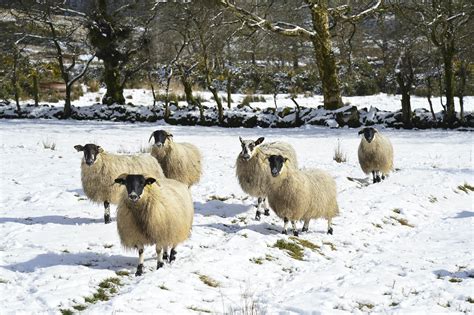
{"x": 251, "y": 168}
{"x": 301, "y": 194}
{"x": 99, "y": 170}
{"x": 180, "y": 161}
{"x": 153, "y": 212}
{"x": 375, "y": 154}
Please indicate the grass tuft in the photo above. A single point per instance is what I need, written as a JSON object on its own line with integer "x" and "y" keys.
{"x": 432, "y": 199}
{"x": 163, "y": 287}
{"x": 339, "y": 155}
{"x": 455, "y": 280}
{"x": 209, "y": 281}
{"x": 122, "y": 273}
{"x": 294, "y": 250}
{"x": 66, "y": 311}
{"x": 365, "y": 305}
{"x": 402, "y": 221}
{"x": 79, "y": 307}
{"x": 466, "y": 188}
{"x": 470, "y": 300}
{"x": 198, "y": 309}
{"x": 49, "y": 144}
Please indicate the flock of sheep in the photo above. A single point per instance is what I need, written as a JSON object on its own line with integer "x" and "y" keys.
{"x": 155, "y": 205}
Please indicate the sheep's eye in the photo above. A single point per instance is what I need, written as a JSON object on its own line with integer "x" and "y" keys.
{"x": 251, "y": 146}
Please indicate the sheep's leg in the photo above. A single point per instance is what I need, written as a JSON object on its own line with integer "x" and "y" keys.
{"x": 378, "y": 177}
{"x": 259, "y": 206}
{"x": 285, "y": 226}
{"x": 293, "y": 225}
{"x": 266, "y": 207}
{"x": 330, "y": 230}
{"x": 305, "y": 226}
{"x": 141, "y": 259}
{"x": 159, "y": 257}
{"x": 374, "y": 177}
{"x": 107, "y": 219}
{"x": 165, "y": 253}
{"x": 172, "y": 254}
{"x": 383, "y": 176}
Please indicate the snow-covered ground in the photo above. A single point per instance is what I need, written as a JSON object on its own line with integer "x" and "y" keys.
{"x": 381, "y": 101}
{"x": 402, "y": 246}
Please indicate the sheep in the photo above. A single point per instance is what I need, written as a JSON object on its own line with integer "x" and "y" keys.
{"x": 375, "y": 154}
{"x": 301, "y": 194}
{"x": 180, "y": 161}
{"x": 100, "y": 168}
{"x": 252, "y": 171}
{"x": 153, "y": 212}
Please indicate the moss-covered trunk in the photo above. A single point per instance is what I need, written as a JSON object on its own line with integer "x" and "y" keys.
{"x": 67, "y": 103}
{"x": 114, "y": 94}
{"x": 188, "y": 92}
{"x": 325, "y": 58}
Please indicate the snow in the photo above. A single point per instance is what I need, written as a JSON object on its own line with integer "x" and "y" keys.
{"x": 381, "y": 101}
{"x": 55, "y": 249}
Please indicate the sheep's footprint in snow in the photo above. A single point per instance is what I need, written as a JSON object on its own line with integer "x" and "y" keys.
{"x": 363, "y": 182}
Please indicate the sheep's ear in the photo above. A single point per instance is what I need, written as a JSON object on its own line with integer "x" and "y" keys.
{"x": 121, "y": 179}
{"x": 259, "y": 140}
{"x": 100, "y": 149}
{"x": 152, "y": 135}
{"x": 150, "y": 181}
{"x": 361, "y": 131}
{"x": 240, "y": 139}
{"x": 285, "y": 159}
{"x": 79, "y": 148}
{"x": 169, "y": 135}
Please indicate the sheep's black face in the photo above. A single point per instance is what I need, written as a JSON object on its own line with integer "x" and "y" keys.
{"x": 160, "y": 137}
{"x": 276, "y": 164}
{"x": 369, "y": 134}
{"x": 91, "y": 151}
{"x": 248, "y": 147}
{"x": 135, "y": 185}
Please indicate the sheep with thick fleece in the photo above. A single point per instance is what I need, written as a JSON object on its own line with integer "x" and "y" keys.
{"x": 375, "y": 154}
{"x": 251, "y": 168}
{"x": 301, "y": 194}
{"x": 99, "y": 170}
{"x": 180, "y": 161}
{"x": 153, "y": 212}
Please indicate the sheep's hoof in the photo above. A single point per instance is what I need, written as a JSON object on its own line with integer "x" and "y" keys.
{"x": 266, "y": 212}
{"x": 159, "y": 265}
{"x": 139, "y": 270}
{"x": 330, "y": 230}
{"x": 257, "y": 216}
{"x": 383, "y": 177}
{"x": 172, "y": 255}
{"x": 165, "y": 255}
{"x": 107, "y": 219}
{"x": 284, "y": 232}
{"x": 295, "y": 233}
{"x": 304, "y": 229}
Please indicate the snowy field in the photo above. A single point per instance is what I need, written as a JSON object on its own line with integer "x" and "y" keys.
{"x": 402, "y": 246}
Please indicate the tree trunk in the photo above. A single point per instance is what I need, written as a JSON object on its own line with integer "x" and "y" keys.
{"x": 114, "y": 94}
{"x": 428, "y": 96}
{"x": 406, "y": 105}
{"x": 462, "y": 85}
{"x": 35, "y": 87}
{"x": 325, "y": 57}
{"x": 188, "y": 92}
{"x": 167, "y": 99}
{"x": 67, "y": 103}
{"x": 220, "y": 109}
{"x": 450, "y": 115}
{"x": 150, "y": 80}
{"x": 15, "y": 84}
{"x": 229, "y": 90}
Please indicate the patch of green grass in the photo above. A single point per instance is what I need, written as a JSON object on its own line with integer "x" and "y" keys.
{"x": 365, "y": 305}
{"x": 466, "y": 188}
{"x": 66, "y": 311}
{"x": 109, "y": 283}
{"x": 394, "y": 304}
{"x": 432, "y": 199}
{"x": 122, "y": 273}
{"x": 79, "y": 307}
{"x": 397, "y": 210}
{"x": 198, "y": 309}
{"x": 402, "y": 221}
{"x": 209, "y": 281}
{"x": 294, "y": 250}
{"x": 305, "y": 243}
{"x": 455, "y": 280}
{"x": 163, "y": 287}
{"x": 470, "y": 300}
{"x": 377, "y": 225}
{"x": 100, "y": 295}
{"x": 331, "y": 245}
{"x": 257, "y": 260}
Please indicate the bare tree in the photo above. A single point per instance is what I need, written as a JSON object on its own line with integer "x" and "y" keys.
{"x": 405, "y": 77}
{"x": 44, "y": 22}
{"x": 322, "y": 18}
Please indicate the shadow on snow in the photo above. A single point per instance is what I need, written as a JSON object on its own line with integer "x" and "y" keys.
{"x": 53, "y": 219}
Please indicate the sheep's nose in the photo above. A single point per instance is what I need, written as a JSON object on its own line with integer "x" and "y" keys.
{"x": 274, "y": 173}
{"x": 133, "y": 196}
{"x": 89, "y": 162}
{"x": 246, "y": 156}
{"x": 159, "y": 144}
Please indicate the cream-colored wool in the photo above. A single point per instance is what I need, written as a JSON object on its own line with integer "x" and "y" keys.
{"x": 180, "y": 161}
{"x": 303, "y": 194}
{"x": 163, "y": 215}
{"x": 254, "y": 174}
{"x": 98, "y": 179}
{"x": 376, "y": 155}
